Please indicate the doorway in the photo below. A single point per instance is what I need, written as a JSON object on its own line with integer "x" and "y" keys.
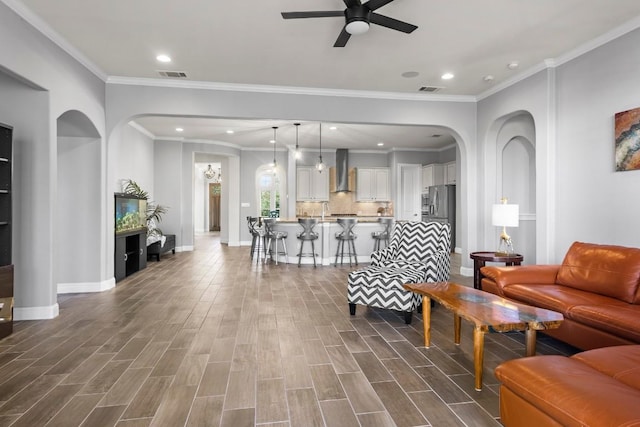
{"x": 214, "y": 206}
{"x": 409, "y": 192}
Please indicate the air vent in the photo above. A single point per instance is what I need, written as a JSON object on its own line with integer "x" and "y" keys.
{"x": 173, "y": 74}
{"x": 430, "y": 89}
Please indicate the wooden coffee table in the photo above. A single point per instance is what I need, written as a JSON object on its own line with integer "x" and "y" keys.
{"x": 487, "y": 312}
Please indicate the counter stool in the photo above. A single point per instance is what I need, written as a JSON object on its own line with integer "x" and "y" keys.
{"x": 307, "y": 235}
{"x": 383, "y": 235}
{"x": 257, "y": 237}
{"x": 346, "y": 235}
{"x": 273, "y": 237}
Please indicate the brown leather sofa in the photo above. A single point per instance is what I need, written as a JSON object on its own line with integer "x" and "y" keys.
{"x": 594, "y": 388}
{"x": 596, "y": 288}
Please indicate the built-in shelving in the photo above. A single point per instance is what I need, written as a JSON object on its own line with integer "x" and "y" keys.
{"x": 6, "y": 266}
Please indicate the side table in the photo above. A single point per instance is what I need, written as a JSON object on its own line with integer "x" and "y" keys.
{"x": 481, "y": 258}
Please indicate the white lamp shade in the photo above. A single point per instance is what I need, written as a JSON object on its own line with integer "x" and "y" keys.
{"x": 505, "y": 215}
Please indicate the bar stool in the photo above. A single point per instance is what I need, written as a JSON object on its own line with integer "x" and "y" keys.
{"x": 258, "y": 236}
{"x": 346, "y": 235}
{"x": 273, "y": 237}
{"x": 383, "y": 235}
{"x": 307, "y": 235}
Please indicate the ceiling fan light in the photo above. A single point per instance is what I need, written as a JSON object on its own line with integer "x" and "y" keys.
{"x": 357, "y": 27}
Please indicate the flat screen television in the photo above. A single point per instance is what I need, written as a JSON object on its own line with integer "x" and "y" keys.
{"x": 130, "y": 213}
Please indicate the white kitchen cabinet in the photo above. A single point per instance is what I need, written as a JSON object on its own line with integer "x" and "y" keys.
{"x": 312, "y": 186}
{"x": 372, "y": 185}
{"x": 450, "y": 173}
{"x": 432, "y": 174}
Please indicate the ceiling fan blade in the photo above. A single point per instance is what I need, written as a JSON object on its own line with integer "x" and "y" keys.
{"x": 313, "y": 14}
{"x": 342, "y": 39}
{"x": 394, "y": 24}
{"x": 352, "y": 3}
{"x": 377, "y": 4}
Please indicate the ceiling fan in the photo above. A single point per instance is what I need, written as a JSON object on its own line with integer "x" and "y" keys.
{"x": 358, "y": 16}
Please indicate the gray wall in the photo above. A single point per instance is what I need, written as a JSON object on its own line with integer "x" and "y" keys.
{"x": 60, "y": 84}
{"x": 579, "y": 195}
{"x": 26, "y": 110}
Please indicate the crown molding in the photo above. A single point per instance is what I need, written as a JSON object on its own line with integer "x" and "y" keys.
{"x": 35, "y": 21}
{"x": 607, "y": 37}
{"x": 584, "y": 48}
{"x": 287, "y": 90}
{"x": 512, "y": 81}
{"x": 141, "y": 129}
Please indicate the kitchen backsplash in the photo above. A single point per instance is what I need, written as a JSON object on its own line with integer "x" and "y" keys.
{"x": 344, "y": 204}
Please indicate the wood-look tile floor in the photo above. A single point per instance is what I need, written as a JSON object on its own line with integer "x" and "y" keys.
{"x": 209, "y": 338}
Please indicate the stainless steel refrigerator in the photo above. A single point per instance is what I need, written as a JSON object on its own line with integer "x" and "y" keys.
{"x": 441, "y": 207}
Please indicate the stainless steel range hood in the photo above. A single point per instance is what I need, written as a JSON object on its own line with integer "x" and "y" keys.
{"x": 342, "y": 170}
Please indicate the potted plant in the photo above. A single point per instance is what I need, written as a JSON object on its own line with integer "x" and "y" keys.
{"x": 154, "y": 210}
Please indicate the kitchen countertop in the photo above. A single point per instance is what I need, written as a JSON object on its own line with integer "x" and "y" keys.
{"x": 332, "y": 219}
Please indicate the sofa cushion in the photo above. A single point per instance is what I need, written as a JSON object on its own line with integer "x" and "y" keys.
{"x": 620, "y": 362}
{"x": 553, "y": 297}
{"x": 571, "y": 392}
{"x": 603, "y": 269}
{"x": 614, "y": 316}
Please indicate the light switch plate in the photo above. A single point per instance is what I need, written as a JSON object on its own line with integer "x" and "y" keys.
{"x": 245, "y": 205}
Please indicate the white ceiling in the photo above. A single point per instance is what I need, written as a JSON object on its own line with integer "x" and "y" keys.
{"x": 248, "y": 42}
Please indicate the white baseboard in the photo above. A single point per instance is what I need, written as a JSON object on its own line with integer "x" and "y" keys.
{"x": 80, "y": 288}
{"x": 458, "y": 250}
{"x": 184, "y": 248}
{"x": 36, "y": 313}
{"x": 466, "y": 271}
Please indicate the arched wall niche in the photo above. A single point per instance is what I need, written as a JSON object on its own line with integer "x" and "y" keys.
{"x": 79, "y": 207}
{"x": 511, "y": 148}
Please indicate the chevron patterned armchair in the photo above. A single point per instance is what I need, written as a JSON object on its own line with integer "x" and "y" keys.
{"x": 418, "y": 253}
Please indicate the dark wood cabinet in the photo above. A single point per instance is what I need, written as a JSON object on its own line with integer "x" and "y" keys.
{"x": 6, "y": 268}
{"x": 130, "y": 253}
{"x": 155, "y": 249}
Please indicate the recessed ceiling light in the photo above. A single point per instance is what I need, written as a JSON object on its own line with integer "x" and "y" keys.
{"x": 410, "y": 74}
{"x": 273, "y": 141}
{"x": 163, "y": 58}
{"x": 229, "y": 131}
{"x": 333, "y": 128}
{"x": 447, "y": 76}
{"x": 513, "y": 65}
{"x": 488, "y": 78}
{"x": 380, "y": 144}
{"x": 179, "y": 129}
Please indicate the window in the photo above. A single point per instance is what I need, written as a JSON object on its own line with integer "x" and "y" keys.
{"x": 269, "y": 188}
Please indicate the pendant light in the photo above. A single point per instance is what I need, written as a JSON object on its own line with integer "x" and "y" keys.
{"x": 274, "y": 147}
{"x": 297, "y": 153}
{"x": 320, "y": 165}
{"x": 209, "y": 173}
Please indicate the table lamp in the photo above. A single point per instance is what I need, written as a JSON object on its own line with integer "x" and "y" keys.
{"x": 505, "y": 215}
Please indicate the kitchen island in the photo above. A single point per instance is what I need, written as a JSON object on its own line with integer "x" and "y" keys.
{"x": 327, "y": 244}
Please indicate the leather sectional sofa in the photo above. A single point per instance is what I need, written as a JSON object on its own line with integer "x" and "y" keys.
{"x": 596, "y": 288}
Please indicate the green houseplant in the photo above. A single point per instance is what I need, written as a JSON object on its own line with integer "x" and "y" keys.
{"x": 154, "y": 210}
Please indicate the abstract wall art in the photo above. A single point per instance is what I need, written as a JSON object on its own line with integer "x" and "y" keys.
{"x": 627, "y": 134}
